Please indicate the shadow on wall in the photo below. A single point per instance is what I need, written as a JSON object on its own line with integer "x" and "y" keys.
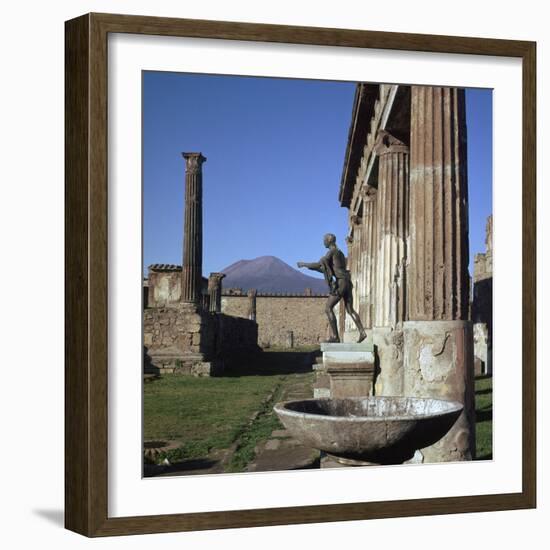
{"x": 268, "y": 363}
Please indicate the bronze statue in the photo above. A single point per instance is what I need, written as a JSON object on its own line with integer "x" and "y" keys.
{"x": 333, "y": 267}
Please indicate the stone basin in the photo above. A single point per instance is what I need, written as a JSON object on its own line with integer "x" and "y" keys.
{"x": 379, "y": 430}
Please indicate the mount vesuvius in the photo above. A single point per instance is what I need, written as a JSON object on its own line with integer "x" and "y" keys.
{"x": 270, "y": 274}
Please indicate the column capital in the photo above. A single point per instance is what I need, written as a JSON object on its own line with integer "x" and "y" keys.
{"x": 193, "y": 161}
{"x": 214, "y": 279}
{"x": 386, "y": 143}
{"x": 368, "y": 193}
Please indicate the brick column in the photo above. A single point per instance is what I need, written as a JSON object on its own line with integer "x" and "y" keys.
{"x": 192, "y": 233}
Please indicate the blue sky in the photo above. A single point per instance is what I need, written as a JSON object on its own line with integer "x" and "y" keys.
{"x": 275, "y": 151}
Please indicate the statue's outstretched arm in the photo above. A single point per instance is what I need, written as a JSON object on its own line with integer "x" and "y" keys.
{"x": 314, "y": 266}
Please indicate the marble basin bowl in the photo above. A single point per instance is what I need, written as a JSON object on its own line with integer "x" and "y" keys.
{"x": 380, "y": 430}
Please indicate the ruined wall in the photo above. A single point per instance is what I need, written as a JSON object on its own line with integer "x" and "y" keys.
{"x": 482, "y": 304}
{"x": 164, "y": 286}
{"x": 237, "y": 336}
{"x": 178, "y": 338}
{"x": 182, "y": 339}
{"x": 277, "y": 315}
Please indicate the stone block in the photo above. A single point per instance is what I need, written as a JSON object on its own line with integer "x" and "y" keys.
{"x": 351, "y": 380}
{"x": 389, "y": 352}
{"x": 319, "y": 393}
{"x": 438, "y": 363}
{"x": 350, "y": 368}
{"x": 347, "y": 347}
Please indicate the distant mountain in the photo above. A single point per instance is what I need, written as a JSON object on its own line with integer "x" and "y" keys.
{"x": 270, "y": 274}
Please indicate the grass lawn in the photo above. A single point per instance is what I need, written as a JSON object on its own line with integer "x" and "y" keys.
{"x": 484, "y": 418}
{"x": 212, "y": 413}
{"x": 204, "y": 412}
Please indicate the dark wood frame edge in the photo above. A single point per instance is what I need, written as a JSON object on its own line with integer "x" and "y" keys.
{"x": 86, "y": 274}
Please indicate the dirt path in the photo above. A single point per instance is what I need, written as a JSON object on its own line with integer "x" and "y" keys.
{"x": 280, "y": 451}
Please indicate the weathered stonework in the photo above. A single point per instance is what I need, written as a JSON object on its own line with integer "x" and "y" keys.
{"x": 482, "y": 304}
{"x": 389, "y": 354}
{"x": 215, "y": 292}
{"x": 252, "y": 293}
{"x": 163, "y": 285}
{"x": 180, "y": 339}
{"x": 393, "y": 226}
{"x": 192, "y": 235}
{"x": 405, "y": 175}
{"x": 184, "y": 330}
{"x": 276, "y": 315}
{"x": 350, "y": 369}
{"x": 438, "y": 363}
{"x": 438, "y": 279}
{"x": 187, "y": 340}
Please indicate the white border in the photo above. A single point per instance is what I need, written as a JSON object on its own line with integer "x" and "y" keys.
{"x": 131, "y": 495}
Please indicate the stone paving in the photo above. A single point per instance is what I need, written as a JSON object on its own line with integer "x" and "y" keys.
{"x": 281, "y": 451}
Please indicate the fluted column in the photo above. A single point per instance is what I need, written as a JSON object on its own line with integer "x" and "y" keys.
{"x": 392, "y": 216}
{"x": 439, "y": 280}
{"x": 215, "y": 291}
{"x": 192, "y": 233}
{"x": 438, "y": 338}
{"x": 370, "y": 252}
{"x": 353, "y": 264}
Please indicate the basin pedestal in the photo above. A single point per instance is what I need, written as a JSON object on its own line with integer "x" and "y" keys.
{"x": 329, "y": 461}
{"x": 350, "y": 369}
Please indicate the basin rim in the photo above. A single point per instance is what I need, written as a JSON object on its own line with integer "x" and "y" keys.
{"x": 280, "y": 408}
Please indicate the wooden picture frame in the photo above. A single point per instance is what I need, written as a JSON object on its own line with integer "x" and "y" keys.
{"x": 86, "y": 282}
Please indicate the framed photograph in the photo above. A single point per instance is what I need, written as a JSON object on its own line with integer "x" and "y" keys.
{"x": 281, "y": 300}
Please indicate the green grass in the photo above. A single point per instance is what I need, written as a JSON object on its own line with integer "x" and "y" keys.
{"x": 202, "y": 412}
{"x": 484, "y": 418}
{"x": 212, "y": 413}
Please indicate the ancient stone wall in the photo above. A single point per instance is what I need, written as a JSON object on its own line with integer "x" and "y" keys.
{"x": 178, "y": 338}
{"x": 482, "y": 304}
{"x": 237, "y": 336}
{"x": 182, "y": 339}
{"x": 278, "y": 315}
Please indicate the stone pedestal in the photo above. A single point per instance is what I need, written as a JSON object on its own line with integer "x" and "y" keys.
{"x": 438, "y": 363}
{"x": 350, "y": 368}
